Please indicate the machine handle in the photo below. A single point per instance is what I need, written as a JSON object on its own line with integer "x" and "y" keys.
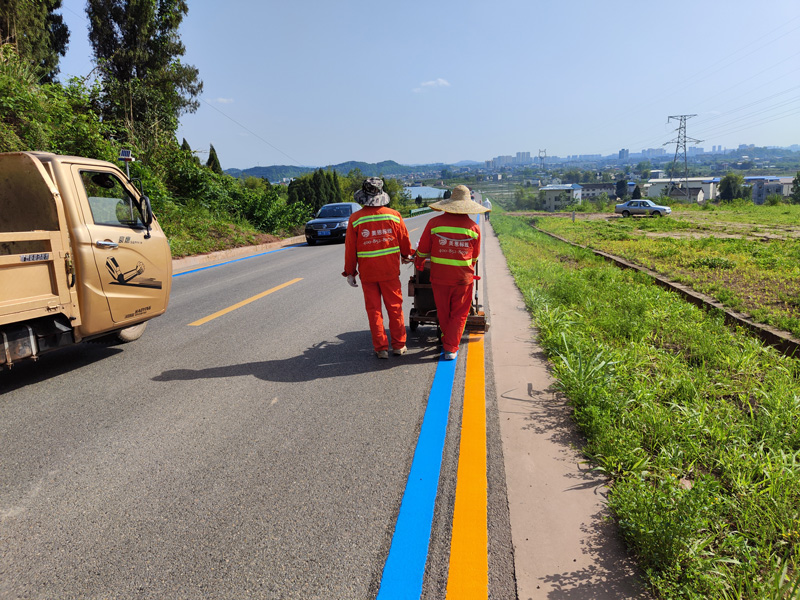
{"x": 106, "y": 244}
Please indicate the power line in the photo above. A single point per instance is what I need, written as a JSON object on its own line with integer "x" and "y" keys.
{"x": 294, "y": 160}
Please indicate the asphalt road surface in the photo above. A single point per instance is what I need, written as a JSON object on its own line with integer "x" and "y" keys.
{"x": 262, "y": 453}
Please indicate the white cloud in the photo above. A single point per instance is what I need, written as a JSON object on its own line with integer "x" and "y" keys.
{"x": 436, "y": 83}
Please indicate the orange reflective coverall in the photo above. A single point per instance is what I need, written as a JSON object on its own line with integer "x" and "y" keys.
{"x": 453, "y": 243}
{"x": 376, "y": 238}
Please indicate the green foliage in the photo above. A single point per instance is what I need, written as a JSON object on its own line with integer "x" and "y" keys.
{"x": 36, "y": 32}
{"x": 213, "y": 161}
{"x": 730, "y": 187}
{"x": 145, "y": 85}
{"x": 621, "y": 189}
{"x": 794, "y": 195}
{"x": 695, "y": 424}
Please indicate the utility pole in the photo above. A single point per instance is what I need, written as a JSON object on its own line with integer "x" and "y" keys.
{"x": 680, "y": 145}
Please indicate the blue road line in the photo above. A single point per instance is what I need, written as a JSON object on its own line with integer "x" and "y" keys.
{"x": 408, "y": 554}
{"x": 231, "y": 261}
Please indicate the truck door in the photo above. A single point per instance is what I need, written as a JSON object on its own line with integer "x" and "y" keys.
{"x": 131, "y": 264}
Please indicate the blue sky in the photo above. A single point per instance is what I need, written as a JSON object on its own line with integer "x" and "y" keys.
{"x": 315, "y": 82}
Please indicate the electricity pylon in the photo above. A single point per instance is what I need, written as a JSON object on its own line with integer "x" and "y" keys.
{"x": 680, "y": 144}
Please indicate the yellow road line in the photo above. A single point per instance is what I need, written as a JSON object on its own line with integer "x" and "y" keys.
{"x": 225, "y": 311}
{"x": 413, "y": 230}
{"x": 468, "y": 578}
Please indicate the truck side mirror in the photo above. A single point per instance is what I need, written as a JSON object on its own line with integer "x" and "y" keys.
{"x": 147, "y": 211}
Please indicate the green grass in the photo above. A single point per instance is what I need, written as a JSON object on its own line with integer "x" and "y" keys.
{"x": 695, "y": 424}
{"x": 759, "y": 276}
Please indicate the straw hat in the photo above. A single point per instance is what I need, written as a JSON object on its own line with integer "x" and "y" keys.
{"x": 459, "y": 203}
{"x": 371, "y": 193}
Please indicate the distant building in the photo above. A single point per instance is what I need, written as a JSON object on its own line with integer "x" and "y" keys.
{"x": 764, "y": 187}
{"x": 523, "y": 158}
{"x": 624, "y": 154}
{"x": 556, "y": 197}
{"x": 695, "y": 194}
{"x": 590, "y": 191}
{"x": 661, "y": 186}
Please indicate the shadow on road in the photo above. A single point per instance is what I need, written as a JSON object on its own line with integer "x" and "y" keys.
{"x": 342, "y": 358}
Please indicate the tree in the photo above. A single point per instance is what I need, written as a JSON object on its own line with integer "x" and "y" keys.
{"x": 137, "y": 47}
{"x": 644, "y": 168}
{"x": 794, "y": 195}
{"x": 621, "y": 189}
{"x": 213, "y": 162}
{"x": 38, "y": 34}
{"x": 731, "y": 186}
{"x": 637, "y": 193}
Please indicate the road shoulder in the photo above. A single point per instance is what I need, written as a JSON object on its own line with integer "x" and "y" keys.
{"x": 564, "y": 542}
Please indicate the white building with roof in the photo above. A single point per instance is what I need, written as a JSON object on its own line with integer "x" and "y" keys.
{"x": 557, "y": 197}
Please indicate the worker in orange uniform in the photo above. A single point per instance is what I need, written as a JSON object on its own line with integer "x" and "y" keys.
{"x": 376, "y": 242}
{"x": 452, "y": 241}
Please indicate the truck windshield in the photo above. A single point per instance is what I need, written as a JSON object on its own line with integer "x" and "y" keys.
{"x": 109, "y": 201}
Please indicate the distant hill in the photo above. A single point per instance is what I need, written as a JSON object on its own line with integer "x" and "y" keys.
{"x": 278, "y": 172}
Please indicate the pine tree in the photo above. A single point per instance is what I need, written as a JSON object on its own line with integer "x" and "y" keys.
{"x": 794, "y": 195}
{"x": 213, "y": 161}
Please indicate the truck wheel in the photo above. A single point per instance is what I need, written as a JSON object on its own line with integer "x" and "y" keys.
{"x": 132, "y": 333}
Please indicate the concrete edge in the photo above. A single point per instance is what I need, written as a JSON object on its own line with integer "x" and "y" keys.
{"x": 187, "y": 263}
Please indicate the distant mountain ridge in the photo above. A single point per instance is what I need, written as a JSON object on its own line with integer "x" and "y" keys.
{"x": 386, "y": 167}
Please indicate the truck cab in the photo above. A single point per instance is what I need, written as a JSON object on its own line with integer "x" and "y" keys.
{"x": 81, "y": 255}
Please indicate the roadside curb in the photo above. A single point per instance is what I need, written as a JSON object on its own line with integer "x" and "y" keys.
{"x": 186, "y": 263}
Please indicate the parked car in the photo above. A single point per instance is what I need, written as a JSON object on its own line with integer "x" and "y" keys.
{"x": 641, "y": 207}
{"x": 330, "y": 222}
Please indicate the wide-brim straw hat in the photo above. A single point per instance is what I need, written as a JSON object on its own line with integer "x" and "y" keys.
{"x": 459, "y": 203}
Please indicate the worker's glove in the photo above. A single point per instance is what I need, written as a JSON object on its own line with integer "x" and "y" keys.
{"x": 351, "y": 279}
{"x": 407, "y": 259}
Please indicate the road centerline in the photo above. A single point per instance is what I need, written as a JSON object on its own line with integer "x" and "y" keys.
{"x": 225, "y": 311}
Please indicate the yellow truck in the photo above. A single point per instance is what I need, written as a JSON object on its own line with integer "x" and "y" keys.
{"x": 81, "y": 255}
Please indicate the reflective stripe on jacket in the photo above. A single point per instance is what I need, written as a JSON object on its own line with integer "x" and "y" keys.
{"x": 453, "y": 244}
{"x": 375, "y": 239}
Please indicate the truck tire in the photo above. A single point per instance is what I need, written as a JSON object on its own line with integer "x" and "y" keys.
{"x": 132, "y": 333}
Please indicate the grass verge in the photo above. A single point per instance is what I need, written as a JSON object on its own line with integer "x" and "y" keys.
{"x": 695, "y": 424}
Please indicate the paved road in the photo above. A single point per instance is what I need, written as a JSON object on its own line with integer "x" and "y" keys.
{"x": 263, "y": 453}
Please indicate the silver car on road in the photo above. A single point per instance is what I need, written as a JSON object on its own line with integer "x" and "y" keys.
{"x": 642, "y": 208}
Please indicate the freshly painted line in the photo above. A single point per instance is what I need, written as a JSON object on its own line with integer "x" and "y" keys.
{"x": 232, "y": 261}
{"x": 408, "y": 554}
{"x": 225, "y": 311}
{"x": 468, "y": 576}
